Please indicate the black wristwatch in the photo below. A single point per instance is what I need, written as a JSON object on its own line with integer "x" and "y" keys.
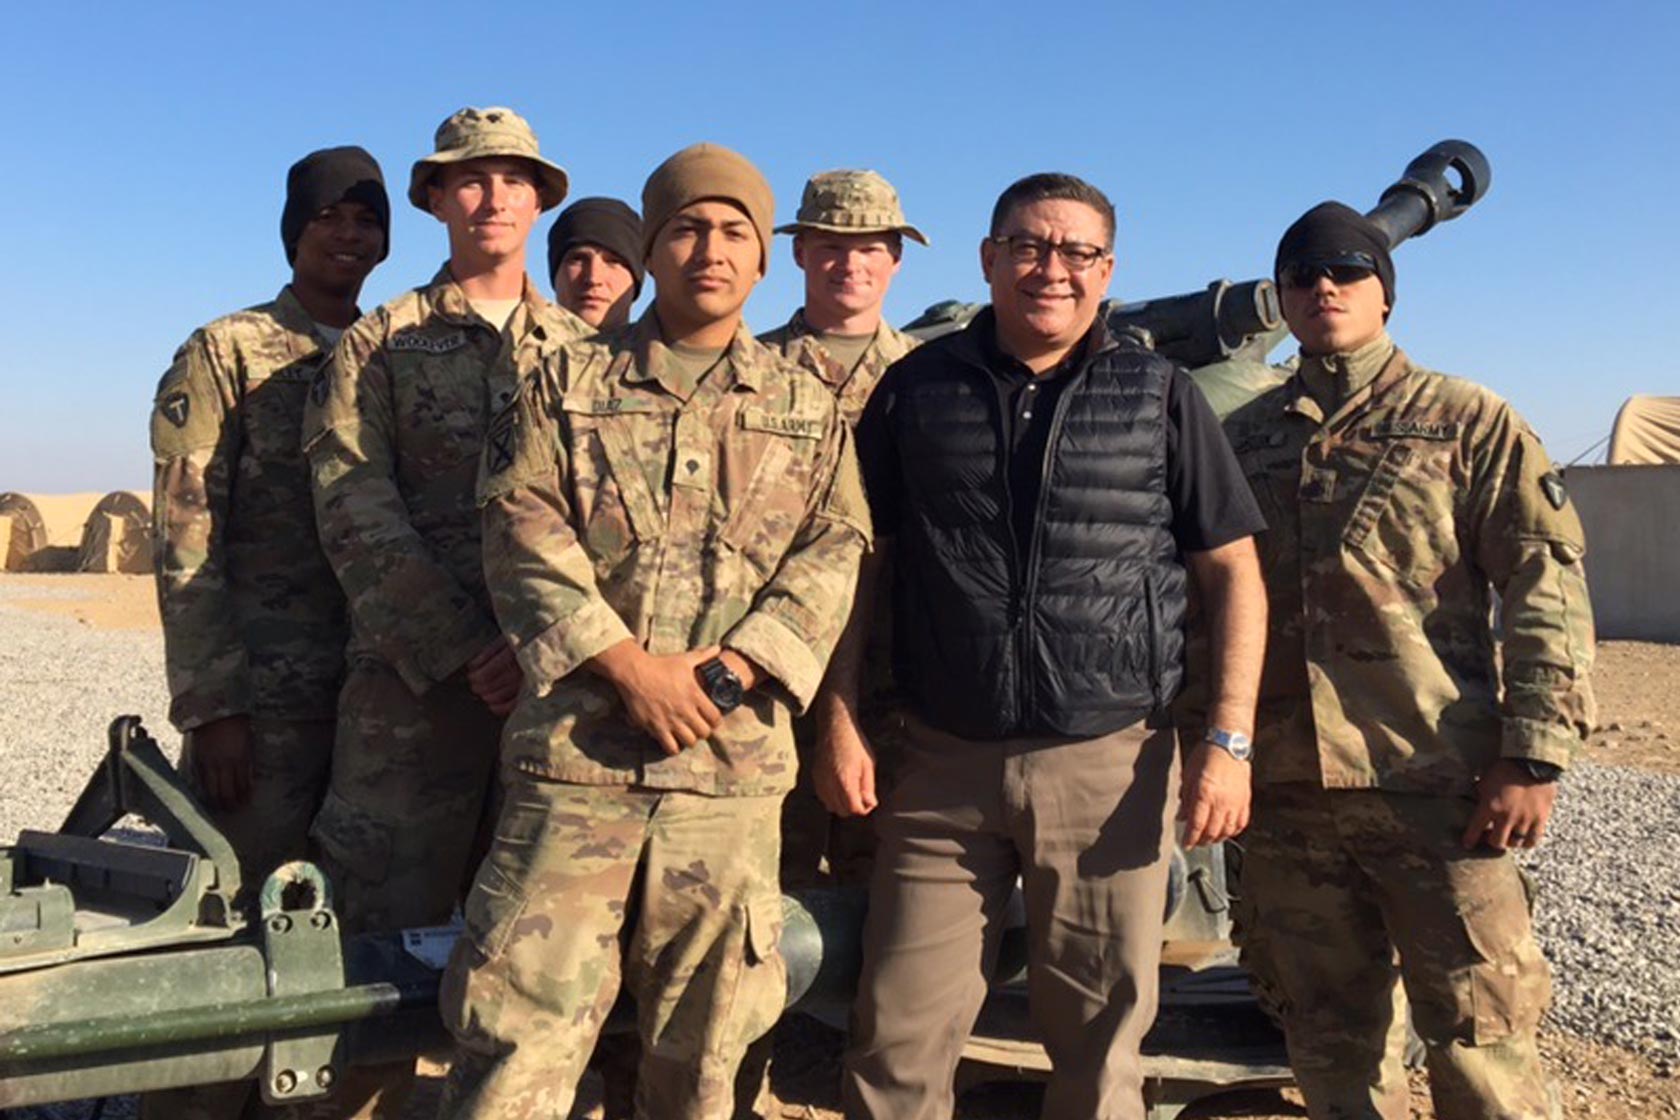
{"x": 722, "y": 686}
{"x": 1540, "y": 771}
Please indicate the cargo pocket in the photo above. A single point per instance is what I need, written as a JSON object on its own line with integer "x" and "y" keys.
{"x": 498, "y": 896}
{"x": 761, "y": 992}
{"x": 1508, "y": 990}
{"x": 353, "y": 840}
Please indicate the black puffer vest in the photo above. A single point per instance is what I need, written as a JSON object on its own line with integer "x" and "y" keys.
{"x": 1084, "y": 632}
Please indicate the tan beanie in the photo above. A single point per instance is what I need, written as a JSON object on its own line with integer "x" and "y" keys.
{"x": 702, "y": 171}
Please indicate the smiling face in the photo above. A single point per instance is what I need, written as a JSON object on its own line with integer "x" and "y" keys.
{"x": 596, "y": 285}
{"x": 338, "y": 248}
{"x": 489, "y": 206}
{"x": 1045, "y": 307}
{"x": 846, "y": 274}
{"x": 704, "y": 262}
{"x": 1330, "y": 318}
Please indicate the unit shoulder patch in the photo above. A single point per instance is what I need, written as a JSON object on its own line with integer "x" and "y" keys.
{"x": 175, "y": 408}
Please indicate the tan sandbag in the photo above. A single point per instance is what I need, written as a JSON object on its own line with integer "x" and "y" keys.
{"x": 45, "y": 529}
{"x": 1647, "y": 431}
{"x": 117, "y": 535}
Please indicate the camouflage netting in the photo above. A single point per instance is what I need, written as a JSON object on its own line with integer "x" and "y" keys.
{"x": 117, "y": 536}
{"x": 1647, "y": 431}
{"x": 42, "y": 532}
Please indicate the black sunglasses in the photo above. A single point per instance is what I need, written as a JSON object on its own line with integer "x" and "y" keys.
{"x": 1342, "y": 269}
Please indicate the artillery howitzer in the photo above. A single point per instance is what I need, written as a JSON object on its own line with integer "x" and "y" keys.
{"x": 127, "y": 967}
{"x": 1223, "y": 333}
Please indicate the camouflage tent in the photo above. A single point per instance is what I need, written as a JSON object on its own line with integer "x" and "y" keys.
{"x": 1647, "y": 431}
{"x": 42, "y": 532}
{"x": 117, "y": 535}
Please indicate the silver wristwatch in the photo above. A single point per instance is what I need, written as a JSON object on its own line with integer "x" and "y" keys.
{"x": 1233, "y": 743}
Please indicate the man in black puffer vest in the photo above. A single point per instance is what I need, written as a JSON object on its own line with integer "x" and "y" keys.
{"x": 1042, "y": 493}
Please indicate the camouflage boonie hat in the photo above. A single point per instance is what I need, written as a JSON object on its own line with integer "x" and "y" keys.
{"x": 851, "y": 202}
{"x": 482, "y": 133}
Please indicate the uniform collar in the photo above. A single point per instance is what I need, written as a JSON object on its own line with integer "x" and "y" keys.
{"x": 306, "y": 337}
{"x": 1347, "y": 383}
{"x": 832, "y": 373}
{"x": 646, "y": 358}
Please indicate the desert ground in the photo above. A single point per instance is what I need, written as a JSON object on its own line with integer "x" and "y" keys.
{"x": 76, "y": 650}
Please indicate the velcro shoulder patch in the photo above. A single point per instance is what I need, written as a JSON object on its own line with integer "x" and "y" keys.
{"x": 1416, "y": 429}
{"x": 782, "y": 423}
{"x": 175, "y": 407}
{"x": 426, "y": 342}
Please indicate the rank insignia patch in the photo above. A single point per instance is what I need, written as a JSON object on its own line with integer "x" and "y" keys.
{"x": 318, "y": 388}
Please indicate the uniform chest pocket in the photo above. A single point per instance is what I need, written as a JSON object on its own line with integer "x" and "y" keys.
{"x": 616, "y": 506}
{"x": 770, "y": 463}
{"x": 1405, "y": 516}
{"x": 272, "y": 414}
{"x": 439, "y": 403}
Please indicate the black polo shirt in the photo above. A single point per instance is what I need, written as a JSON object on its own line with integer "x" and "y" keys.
{"x": 1212, "y": 504}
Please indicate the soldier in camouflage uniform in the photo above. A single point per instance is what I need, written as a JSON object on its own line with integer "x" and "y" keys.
{"x": 253, "y": 621}
{"x": 393, "y": 433}
{"x": 1399, "y": 756}
{"x": 673, "y": 522}
{"x": 848, "y": 238}
{"x": 594, "y": 261}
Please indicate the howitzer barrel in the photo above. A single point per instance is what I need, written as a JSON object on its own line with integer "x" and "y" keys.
{"x": 1427, "y": 194}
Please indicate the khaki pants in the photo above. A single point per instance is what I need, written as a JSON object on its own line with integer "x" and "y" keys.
{"x": 1088, "y": 828}
{"x": 1333, "y": 882}
{"x": 400, "y": 828}
{"x": 672, "y": 893}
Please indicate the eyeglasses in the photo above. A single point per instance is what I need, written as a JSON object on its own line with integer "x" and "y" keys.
{"x": 1342, "y": 269}
{"x": 1031, "y": 251}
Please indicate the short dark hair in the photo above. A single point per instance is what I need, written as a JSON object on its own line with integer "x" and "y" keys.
{"x": 1048, "y": 185}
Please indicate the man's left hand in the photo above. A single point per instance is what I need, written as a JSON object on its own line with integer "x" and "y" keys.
{"x": 1512, "y": 808}
{"x": 1214, "y": 799}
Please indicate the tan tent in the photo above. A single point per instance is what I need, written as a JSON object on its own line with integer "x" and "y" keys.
{"x": 1647, "y": 431}
{"x": 43, "y": 532}
{"x": 117, "y": 536}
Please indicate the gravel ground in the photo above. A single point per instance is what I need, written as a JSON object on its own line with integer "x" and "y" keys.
{"x": 1609, "y": 909}
{"x": 1609, "y": 873}
{"x": 61, "y": 684}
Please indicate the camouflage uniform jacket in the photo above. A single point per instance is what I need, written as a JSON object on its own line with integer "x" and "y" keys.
{"x": 253, "y": 620}
{"x": 393, "y": 432}
{"x": 1392, "y": 523}
{"x": 851, "y": 387}
{"x": 614, "y": 508}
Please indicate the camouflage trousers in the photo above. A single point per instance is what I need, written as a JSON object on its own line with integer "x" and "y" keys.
{"x": 400, "y": 828}
{"x": 1334, "y": 882}
{"x": 290, "y": 763}
{"x": 672, "y": 894}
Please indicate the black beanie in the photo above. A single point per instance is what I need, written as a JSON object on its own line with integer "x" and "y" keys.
{"x": 606, "y": 222}
{"x": 1331, "y": 229}
{"x": 324, "y": 178}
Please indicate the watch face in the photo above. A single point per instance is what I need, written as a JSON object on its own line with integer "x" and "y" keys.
{"x": 726, "y": 693}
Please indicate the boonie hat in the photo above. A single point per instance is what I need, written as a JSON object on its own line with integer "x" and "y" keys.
{"x": 480, "y": 134}
{"x": 851, "y": 202}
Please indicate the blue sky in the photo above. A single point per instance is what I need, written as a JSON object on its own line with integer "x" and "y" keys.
{"x": 148, "y": 146}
